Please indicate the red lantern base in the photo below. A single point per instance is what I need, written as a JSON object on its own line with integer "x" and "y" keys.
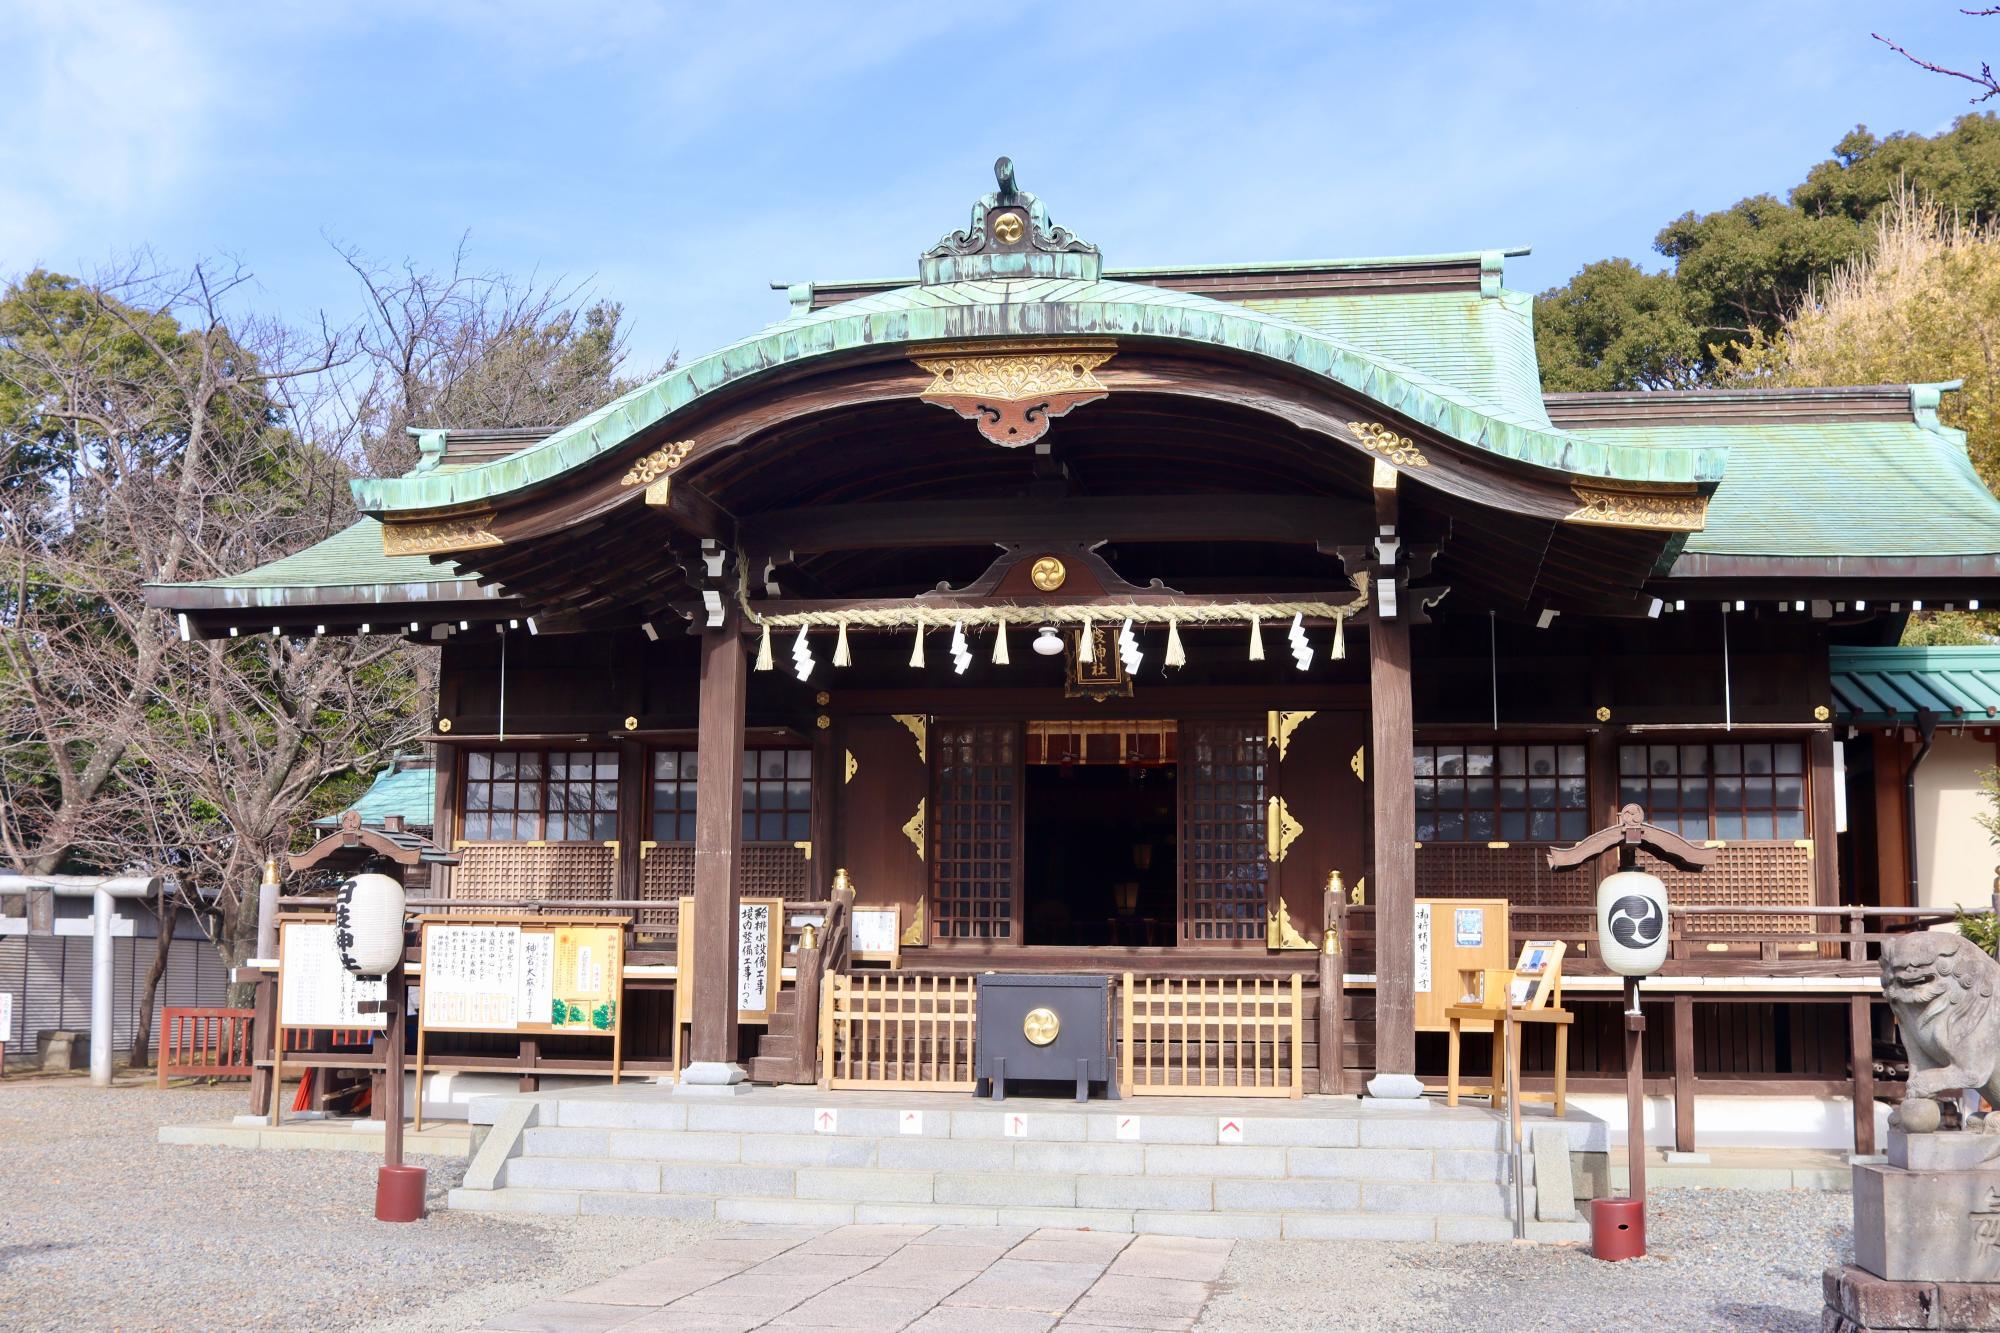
{"x": 1617, "y": 1229}
{"x": 399, "y": 1194}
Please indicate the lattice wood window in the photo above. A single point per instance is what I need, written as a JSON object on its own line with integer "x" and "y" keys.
{"x": 1502, "y": 793}
{"x": 975, "y": 823}
{"x": 1224, "y": 871}
{"x": 777, "y": 795}
{"x": 1740, "y": 791}
{"x": 536, "y": 795}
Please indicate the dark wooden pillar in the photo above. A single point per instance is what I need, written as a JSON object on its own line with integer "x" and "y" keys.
{"x": 1394, "y": 889}
{"x": 1861, "y": 1045}
{"x": 1820, "y": 803}
{"x": 1683, "y": 1073}
{"x": 718, "y": 827}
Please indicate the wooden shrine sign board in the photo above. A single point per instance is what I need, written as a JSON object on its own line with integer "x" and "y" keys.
{"x": 760, "y": 958}
{"x": 1457, "y": 941}
{"x": 316, "y": 992}
{"x": 529, "y": 974}
{"x": 876, "y": 934}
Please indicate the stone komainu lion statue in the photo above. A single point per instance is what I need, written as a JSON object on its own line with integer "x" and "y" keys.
{"x": 1941, "y": 989}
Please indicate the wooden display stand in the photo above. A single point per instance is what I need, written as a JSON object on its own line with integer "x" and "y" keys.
{"x": 1459, "y": 937}
{"x": 1530, "y": 992}
{"x": 316, "y": 994}
{"x": 508, "y": 974}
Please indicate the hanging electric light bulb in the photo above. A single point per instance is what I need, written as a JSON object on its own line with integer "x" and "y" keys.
{"x": 1302, "y": 653}
{"x": 1048, "y": 643}
{"x": 802, "y": 655}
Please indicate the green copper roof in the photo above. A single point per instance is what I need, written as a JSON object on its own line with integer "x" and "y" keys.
{"x": 397, "y": 790}
{"x": 1893, "y": 684}
{"x": 1483, "y": 345}
{"x": 348, "y": 566}
{"x": 964, "y": 311}
{"x": 1839, "y": 488}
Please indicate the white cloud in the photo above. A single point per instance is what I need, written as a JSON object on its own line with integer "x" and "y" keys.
{"x": 108, "y": 106}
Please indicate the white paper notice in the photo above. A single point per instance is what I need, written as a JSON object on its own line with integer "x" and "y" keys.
{"x": 538, "y": 954}
{"x": 753, "y": 959}
{"x": 1423, "y": 981}
{"x": 472, "y": 978}
{"x": 314, "y": 990}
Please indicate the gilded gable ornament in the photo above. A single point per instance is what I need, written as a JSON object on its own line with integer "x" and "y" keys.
{"x": 1679, "y": 509}
{"x": 468, "y": 532}
{"x": 657, "y": 464}
{"x": 1378, "y": 439}
{"x": 1012, "y": 391}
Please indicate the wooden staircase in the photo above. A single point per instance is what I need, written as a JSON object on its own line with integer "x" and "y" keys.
{"x": 778, "y": 1058}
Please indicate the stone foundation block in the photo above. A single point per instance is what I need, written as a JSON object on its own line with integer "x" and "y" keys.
{"x": 1858, "y": 1300}
{"x": 1923, "y": 1226}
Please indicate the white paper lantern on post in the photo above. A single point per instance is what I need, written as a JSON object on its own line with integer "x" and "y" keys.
{"x": 1632, "y": 923}
{"x": 368, "y": 925}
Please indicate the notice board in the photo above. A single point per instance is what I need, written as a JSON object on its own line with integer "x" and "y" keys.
{"x": 314, "y": 989}
{"x": 760, "y": 957}
{"x": 528, "y": 975}
{"x": 1456, "y": 937}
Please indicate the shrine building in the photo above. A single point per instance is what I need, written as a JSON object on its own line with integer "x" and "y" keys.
{"x": 1189, "y": 626}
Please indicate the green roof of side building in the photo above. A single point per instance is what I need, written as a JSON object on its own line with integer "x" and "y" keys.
{"x": 1892, "y": 685}
{"x": 408, "y": 790}
{"x": 349, "y": 566}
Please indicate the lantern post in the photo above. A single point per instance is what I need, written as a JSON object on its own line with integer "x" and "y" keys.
{"x": 1632, "y": 939}
{"x": 368, "y": 918}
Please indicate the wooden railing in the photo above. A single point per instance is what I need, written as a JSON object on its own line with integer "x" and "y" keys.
{"x": 1213, "y": 1036}
{"x": 898, "y": 1030}
{"x": 205, "y": 1043}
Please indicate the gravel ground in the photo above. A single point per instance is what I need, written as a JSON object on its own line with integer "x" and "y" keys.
{"x": 1718, "y": 1259}
{"x": 101, "y": 1227}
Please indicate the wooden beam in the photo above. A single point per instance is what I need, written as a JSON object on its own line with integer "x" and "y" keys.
{"x": 692, "y": 510}
{"x": 1294, "y": 519}
{"x": 938, "y": 606}
{"x": 1683, "y": 1073}
{"x": 718, "y": 827}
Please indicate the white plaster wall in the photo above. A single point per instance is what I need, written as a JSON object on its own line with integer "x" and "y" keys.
{"x": 1954, "y": 858}
{"x": 1742, "y": 1122}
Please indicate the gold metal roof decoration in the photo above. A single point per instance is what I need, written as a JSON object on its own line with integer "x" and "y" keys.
{"x": 657, "y": 464}
{"x": 1656, "y": 509}
{"x": 465, "y": 532}
{"x": 1013, "y": 390}
{"x": 1378, "y": 439}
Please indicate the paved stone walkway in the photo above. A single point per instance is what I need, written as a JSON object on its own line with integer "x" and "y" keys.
{"x": 923, "y": 1279}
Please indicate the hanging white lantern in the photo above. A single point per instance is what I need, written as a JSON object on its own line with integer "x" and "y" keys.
{"x": 368, "y": 925}
{"x": 1632, "y": 923}
{"x": 1048, "y": 643}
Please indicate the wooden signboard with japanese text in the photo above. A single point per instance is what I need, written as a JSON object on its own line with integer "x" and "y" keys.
{"x": 1456, "y": 940}
{"x": 876, "y": 934}
{"x": 760, "y": 957}
{"x": 528, "y": 975}
{"x": 314, "y": 990}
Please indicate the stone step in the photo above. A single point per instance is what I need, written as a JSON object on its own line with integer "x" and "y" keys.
{"x": 1416, "y": 1131}
{"x": 1122, "y": 1161}
{"x": 1347, "y": 1225}
{"x": 1001, "y": 1188}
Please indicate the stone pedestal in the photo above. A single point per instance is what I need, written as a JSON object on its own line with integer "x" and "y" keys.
{"x": 1926, "y": 1237}
{"x": 1857, "y": 1300}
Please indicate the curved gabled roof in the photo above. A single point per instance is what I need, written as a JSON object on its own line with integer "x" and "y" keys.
{"x": 970, "y": 311}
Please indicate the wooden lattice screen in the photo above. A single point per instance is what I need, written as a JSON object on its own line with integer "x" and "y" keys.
{"x": 1213, "y": 1036}
{"x": 898, "y": 1030}
{"x": 666, "y": 875}
{"x": 1750, "y": 874}
{"x": 1224, "y": 869}
{"x": 1543, "y": 902}
{"x": 512, "y": 871}
{"x": 975, "y": 857}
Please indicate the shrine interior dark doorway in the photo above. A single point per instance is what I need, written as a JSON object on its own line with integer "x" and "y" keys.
{"x": 1098, "y": 854}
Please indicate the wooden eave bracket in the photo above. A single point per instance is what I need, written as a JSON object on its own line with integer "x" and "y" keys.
{"x": 1633, "y": 831}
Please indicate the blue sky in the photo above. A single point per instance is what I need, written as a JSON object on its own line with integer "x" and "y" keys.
{"x": 679, "y": 158}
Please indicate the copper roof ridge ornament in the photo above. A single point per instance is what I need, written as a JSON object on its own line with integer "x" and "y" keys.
{"x": 1009, "y": 235}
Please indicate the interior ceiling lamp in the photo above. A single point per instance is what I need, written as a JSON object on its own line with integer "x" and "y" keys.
{"x": 1048, "y": 643}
